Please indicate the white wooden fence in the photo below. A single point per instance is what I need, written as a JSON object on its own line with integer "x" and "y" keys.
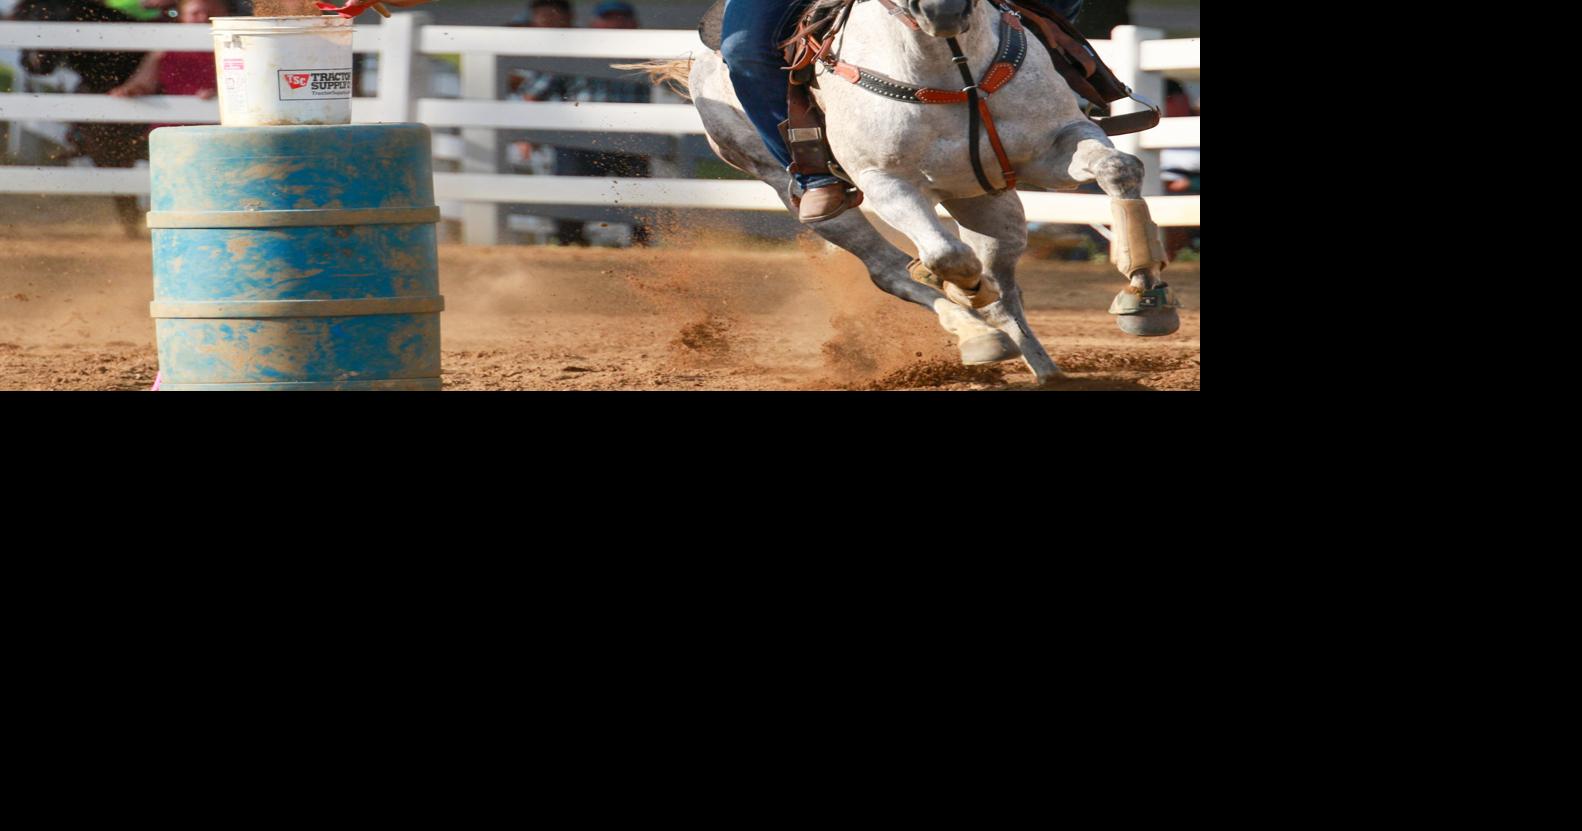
{"x": 1137, "y": 55}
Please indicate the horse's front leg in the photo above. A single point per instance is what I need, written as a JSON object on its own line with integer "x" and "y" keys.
{"x": 902, "y": 205}
{"x": 735, "y": 140}
{"x": 1082, "y": 153}
{"x": 996, "y": 228}
{"x": 906, "y": 207}
{"x": 888, "y": 268}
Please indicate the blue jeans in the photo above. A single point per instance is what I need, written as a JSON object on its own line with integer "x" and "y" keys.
{"x": 749, "y": 36}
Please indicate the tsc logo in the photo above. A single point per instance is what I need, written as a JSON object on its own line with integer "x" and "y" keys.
{"x": 313, "y": 84}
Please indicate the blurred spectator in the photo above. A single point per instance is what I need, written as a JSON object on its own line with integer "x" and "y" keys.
{"x": 107, "y": 144}
{"x": 541, "y": 85}
{"x": 144, "y": 10}
{"x": 179, "y": 73}
{"x": 614, "y": 14}
{"x": 545, "y": 14}
{"x": 1181, "y": 168}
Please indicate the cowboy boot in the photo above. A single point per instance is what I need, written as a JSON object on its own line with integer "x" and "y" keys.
{"x": 827, "y": 202}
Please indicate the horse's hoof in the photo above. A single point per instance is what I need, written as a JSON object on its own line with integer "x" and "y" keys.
{"x": 988, "y": 349}
{"x": 1053, "y": 379}
{"x": 1150, "y": 324}
{"x": 1147, "y": 314}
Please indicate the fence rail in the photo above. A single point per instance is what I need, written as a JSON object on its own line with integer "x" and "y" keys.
{"x": 1138, "y": 55}
{"x": 737, "y": 195}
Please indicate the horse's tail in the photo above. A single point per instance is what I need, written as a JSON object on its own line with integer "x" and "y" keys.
{"x": 673, "y": 74}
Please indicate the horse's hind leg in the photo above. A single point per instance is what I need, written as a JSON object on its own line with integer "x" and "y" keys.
{"x": 996, "y": 227}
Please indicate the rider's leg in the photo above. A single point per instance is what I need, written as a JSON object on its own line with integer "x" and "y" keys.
{"x": 750, "y": 33}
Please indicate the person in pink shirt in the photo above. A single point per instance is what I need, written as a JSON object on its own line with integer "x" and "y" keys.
{"x": 179, "y": 73}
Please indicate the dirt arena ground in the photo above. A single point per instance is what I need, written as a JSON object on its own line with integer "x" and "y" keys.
{"x": 707, "y": 310}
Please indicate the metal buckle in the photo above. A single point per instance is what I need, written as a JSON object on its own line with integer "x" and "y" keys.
{"x": 1141, "y": 99}
{"x": 797, "y": 135}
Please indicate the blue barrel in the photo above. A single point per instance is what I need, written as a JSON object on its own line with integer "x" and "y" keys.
{"x": 295, "y": 258}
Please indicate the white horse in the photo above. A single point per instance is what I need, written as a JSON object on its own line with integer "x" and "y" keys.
{"x": 908, "y": 157}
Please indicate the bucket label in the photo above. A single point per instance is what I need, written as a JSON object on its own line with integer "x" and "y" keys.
{"x": 315, "y": 84}
{"x": 235, "y": 91}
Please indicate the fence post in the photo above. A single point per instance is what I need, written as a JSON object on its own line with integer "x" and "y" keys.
{"x": 669, "y": 164}
{"x": 1128, "y": 42}
{"x": 402, "y": 75}
{"x": 480, "y": 153}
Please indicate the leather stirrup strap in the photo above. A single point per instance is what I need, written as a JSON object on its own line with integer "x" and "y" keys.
{"x": 803, "y": 131}
{"x": 1006, "y": 171}
{"x": 973, "y": 114}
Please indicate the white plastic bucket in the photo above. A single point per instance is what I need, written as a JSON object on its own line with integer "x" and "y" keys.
{"x": 283, "y": 70}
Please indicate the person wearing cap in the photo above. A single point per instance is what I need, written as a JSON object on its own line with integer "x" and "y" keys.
{"x": 614, "y": 14}
{"x": 532, "y": 84}
{"x": 750, "y": 36}
{"x": 545, "y": 14}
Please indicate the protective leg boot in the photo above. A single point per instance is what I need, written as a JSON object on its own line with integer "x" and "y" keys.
{"x": 1137, "y": 247}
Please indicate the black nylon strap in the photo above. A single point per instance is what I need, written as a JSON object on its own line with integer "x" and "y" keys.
{"x": 960, "y": 60}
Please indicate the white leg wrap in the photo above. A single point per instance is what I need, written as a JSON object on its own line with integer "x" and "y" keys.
{"x": 977, "y": 299}
{"x": 1137, "y": 243}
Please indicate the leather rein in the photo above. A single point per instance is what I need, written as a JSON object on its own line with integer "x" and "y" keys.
{"x": 975, "y": 94}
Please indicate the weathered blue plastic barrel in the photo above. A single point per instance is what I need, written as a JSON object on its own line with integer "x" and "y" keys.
{"x": 295, "y": 258}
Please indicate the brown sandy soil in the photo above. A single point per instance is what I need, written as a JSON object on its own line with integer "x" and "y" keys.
{"x": 712, "y": 311}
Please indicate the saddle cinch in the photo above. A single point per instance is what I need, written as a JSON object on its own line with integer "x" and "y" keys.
{"x": 1073, "y": 57}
